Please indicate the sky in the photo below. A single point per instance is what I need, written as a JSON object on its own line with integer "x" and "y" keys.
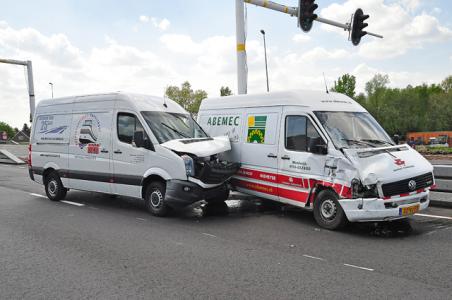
{"x": 143, "y": 46}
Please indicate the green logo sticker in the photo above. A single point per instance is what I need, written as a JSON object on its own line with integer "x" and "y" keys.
{"x": 256, "y": 129}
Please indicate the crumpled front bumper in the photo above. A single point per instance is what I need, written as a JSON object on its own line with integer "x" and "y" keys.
{"x": 374, "y": 209}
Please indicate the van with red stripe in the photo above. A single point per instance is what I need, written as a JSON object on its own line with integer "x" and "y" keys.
{"x": 319, "y": 151}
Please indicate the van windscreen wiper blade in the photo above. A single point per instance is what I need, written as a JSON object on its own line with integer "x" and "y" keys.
{"x": 359, "y": 142}
{"x": 176, "y": 131}
{"x": 378, "y": 142}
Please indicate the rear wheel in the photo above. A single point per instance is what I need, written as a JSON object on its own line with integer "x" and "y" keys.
{"x": 154, "y": 199}
{"x": 54, "y": 187}
{"x": 328, "y": 213}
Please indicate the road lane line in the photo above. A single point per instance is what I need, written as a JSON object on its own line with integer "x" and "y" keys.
{"x": 433, "y": 216}
{"x": 313, "y": 257}
{"x": 358, "y": 267}
{"x": 208, "y": 234}
{"x": 141, "y": 219}
{"x": 38, "y": 195}
{"x": 72, "y": 203}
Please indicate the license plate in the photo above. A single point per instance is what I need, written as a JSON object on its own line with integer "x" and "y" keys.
{"x": 409, "y": 210}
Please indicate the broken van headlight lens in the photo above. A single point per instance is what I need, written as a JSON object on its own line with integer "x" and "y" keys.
{"x": 361, "y": 191}
{"x": 189, "y": 165}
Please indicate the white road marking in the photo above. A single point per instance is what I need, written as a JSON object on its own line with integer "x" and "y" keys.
{"x": 358, "y": 267}
{"x": 141, "y": 219}
{"x": 21, "y": 167}
{"x": 72, "y": 203}
{"x": 433, "y": 216}
{"x": 38, "y": 195}
{"x": 313, "y": 257}
{"x": 208, "y": 234}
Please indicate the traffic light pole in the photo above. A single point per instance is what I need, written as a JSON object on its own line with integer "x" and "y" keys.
{"x": 31, "y": 89}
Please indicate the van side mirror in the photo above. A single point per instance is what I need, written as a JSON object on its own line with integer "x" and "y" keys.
{"x": 142, "y": 142}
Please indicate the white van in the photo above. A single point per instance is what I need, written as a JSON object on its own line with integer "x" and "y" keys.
{"x": 126, "y": 144}
{"x": 319, "y": 151}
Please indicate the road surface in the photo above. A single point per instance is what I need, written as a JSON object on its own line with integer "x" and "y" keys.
{"x": 96, "y": 246}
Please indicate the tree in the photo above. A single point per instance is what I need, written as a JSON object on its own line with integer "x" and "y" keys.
{"x": 376, "y": 84}
{"x": 187, "y": 98}
{"x": 447, "y": 84}
{"x": 225, "y": 91}
{"x": 346, "y": 85}
{"x": 26, "y": 129}
{"x": 9, "y": 130}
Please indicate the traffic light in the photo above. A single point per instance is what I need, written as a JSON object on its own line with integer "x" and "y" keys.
{"x": 358, "y": 26}
{"x": 306, "y": 15}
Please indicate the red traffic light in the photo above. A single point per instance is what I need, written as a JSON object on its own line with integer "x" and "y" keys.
{"x": 306, "y": 15}
{"x": 358, "y": 26}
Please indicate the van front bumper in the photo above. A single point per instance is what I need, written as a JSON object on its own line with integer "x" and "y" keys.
{"x": 377, "y": 209}
{"x": 181, "y": 193}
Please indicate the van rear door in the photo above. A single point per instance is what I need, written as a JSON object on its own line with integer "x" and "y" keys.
{"x": 299, "y": 168}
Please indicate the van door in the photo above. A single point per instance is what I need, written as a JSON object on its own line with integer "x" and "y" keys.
{"x": 129, "y": 162}
{"x": 89, "y": 149}
{"x": 299, "y": 168}
{"x": 259, "y": 171}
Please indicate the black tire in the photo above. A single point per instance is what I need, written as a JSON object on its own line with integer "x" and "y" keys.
{"x": 54, "y": 187}
{"x": 154, "y": 199}
{"x": 328, "y": 213}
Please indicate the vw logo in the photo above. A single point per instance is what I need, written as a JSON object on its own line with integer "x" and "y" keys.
{"x": 412, "y": 185}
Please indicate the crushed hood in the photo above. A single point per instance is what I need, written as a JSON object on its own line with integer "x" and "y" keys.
{"x": 388, "y": 164}
{"x": 200, "y": 147}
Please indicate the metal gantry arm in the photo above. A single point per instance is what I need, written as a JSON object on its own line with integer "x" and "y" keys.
{"x": 293, "y": 11}
{"x": 31, "y": 89}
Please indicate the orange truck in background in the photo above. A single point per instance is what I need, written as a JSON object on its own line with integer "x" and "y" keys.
{"x": 430, "y": 138}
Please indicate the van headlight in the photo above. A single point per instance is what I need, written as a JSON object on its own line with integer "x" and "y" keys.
{"x": 189, "y": 165}
{"x": 361, "y": 191}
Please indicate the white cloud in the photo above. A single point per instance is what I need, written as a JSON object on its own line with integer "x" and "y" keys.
{"x": 397, "y": 22}
{"x": 319, "y": 53}
{"x": 301, "y": 38}
{"x": 162, "y": 24}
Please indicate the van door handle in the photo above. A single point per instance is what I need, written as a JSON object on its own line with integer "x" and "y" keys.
{"x": 117, "y": 152}
{"x": 285, "y": 157}
{"x": 271, "y": 155}
{"x": 104, "y": 151}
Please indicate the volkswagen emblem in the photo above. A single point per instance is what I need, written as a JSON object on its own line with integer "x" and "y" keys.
{"x": 412, "y": 185}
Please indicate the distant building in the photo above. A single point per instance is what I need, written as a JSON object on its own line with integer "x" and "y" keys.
{"x": 430, "y": 138}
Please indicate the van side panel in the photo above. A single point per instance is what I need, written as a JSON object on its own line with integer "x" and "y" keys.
{"x": 90, "y": 146}
{"x": 50, "y": 140}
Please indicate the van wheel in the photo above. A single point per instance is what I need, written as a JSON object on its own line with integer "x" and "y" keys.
{"x": 54, "y": 187}
{"x": 154, "y": 199}
{"x": 328, "y": 213}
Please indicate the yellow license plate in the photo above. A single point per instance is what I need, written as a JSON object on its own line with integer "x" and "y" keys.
{"x": 409, "y": 210}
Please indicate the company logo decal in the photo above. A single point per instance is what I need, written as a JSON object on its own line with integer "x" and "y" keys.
{"x": 256, "y": 129}
{"x": 87, "y": 133}
{"x": 399, "y": 162}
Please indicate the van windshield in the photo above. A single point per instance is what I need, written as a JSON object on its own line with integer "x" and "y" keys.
{"x": 353, "y": 129}
{"x": 170, "y": 126}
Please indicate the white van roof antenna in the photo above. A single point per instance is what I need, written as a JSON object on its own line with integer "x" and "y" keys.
{"x": 326, "y": 86}
{"x": 164, "y": 98}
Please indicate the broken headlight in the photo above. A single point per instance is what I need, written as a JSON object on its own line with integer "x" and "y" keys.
{"x": 189, "y": 165}
{"x": 361, "y": 191}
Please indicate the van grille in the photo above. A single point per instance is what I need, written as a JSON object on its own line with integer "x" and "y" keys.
{"x": 401, "y": 187}
{"x": 213, "y": 172}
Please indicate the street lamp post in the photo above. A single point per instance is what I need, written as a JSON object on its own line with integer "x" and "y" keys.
{"x": 266, "y": 66}
{"x": 51, "y": 87}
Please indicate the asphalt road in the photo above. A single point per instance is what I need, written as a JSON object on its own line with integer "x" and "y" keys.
{"x": 110, "y": 248}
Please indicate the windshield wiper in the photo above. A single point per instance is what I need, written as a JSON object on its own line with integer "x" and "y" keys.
{"x": 359, "y": 142}
{"x": 378, "y": 142}
{"x": 176, "y": 131}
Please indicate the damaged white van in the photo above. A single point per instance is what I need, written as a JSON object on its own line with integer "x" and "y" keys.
{"x": 126, "y": 144}
{"x": 319, "y": 151}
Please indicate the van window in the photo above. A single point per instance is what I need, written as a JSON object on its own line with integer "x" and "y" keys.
{"x": 127, "y": 125}
{"x": 301, "y": 135}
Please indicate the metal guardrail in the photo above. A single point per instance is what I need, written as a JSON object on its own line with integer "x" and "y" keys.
{"x": 443, "y": 178}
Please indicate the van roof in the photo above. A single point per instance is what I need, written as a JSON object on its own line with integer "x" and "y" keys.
{"x": 311, "y": 100}
{"x": 139, "y": 102}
